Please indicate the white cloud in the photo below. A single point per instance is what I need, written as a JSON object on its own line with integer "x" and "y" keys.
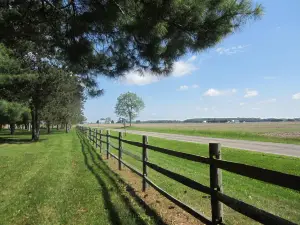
{"x": 242, "y": 103}
{"x": 214, "y": 92}
{"x": 192, "y": 58}
{"x": 250, "y": 93}
{"x": 271, "y": 100}
{"x": 231, "y": 50}
{"x": 296, "y": 96}
{"x": 195, "y": 86}
{"x": 255, "y": 108}
{"x": 183, "y": 88}
{"x": 269, "y": 77}
{"x": 182, "y": 68}
{"x": 134, "y": 77}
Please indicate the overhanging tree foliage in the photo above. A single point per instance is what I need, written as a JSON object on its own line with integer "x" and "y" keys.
{"x": 114, "y": 36}
{"x": 129, "y": 106}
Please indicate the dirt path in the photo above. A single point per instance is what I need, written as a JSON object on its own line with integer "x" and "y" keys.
{"x": 267, "y": 147}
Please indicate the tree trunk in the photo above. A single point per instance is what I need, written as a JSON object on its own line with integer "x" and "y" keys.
{"x": 12, "y": 127}
{"x": 57, "y": 128}
{"x": 26, "y": 126}
{"x": 48, "y": 128}
{"x": 32, "y": 124}
{"x": 67, "y": 128}
{"x": 1, "y": 127}
{"x": 35, "y": 131}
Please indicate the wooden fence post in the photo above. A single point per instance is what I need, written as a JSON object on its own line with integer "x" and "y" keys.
{"x": 96, "y": 138}
{"x": 145, "y": 159}
{"x": 100, "y": 141}
{"x": 215, "y": 184}
{"x": 107, "y": 144}
{"x": 120, "y": 150}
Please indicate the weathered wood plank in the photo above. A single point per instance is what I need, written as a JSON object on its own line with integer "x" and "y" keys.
{"x": 183, "y": 155}
{"x": 269, "y": 176}
{"x": 145, "y": 159}
{"x": 181, "y": 179}
{"x": 138, "y": 144}
{"x": 215, "y": 176}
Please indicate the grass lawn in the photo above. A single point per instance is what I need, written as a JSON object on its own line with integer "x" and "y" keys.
{"x": 59, "y": 181}
{"x": 280, "y": 201}
{"x": 230, "y": 134}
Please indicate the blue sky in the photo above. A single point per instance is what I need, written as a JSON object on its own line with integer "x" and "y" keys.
{"x": 254, "y": 72}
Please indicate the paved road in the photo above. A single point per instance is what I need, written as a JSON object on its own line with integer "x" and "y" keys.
{"x": 268, "y": 147}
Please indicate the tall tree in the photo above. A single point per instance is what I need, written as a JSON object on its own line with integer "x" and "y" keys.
{"x": 14, "y": 112}
{"x": 3, "y": 113}
{"x": 129, "y": 105}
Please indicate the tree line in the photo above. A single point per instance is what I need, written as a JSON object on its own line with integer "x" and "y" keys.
{"x": 36, "y": 91}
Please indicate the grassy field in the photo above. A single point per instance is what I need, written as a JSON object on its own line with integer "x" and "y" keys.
{"x": 277, "y": 200}
{"x": 58, "y": 181}
{"x": 281, "y": 132}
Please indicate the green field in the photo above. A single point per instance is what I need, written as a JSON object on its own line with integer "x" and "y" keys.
{"x": 238, "y": 135}
{"x": 59, "y": 181}
{"x": 278, "y": 132}
{"x": 280, "y": 201}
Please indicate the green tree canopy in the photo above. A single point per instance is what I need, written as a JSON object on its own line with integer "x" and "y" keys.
{"x": 114, "y": 36}
{"x": 129, "y": 106}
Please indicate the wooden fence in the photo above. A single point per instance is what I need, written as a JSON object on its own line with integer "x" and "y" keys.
{"x": 216, "y": 164}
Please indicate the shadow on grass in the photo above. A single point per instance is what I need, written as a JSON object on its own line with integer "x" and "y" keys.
{"x": 15, "y": 140}
{"x": 89, "y": 152}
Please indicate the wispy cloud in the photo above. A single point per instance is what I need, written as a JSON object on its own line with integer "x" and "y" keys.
{"x": 271, "y": 100}
{"x": 214, "y": 92}
{"x": 186, "y": 87}
{"x": 250, "y": 93}
{"x": 231, "y": 50}
{"x": 183, "y": 88}
{"x": 296, "y": 96}
{"x": 242, "y": 103}
{"x": 255, "y": 108}
{"x": 192, "y": 58}
{"x": 182, "y": 68}
{"x": 270, "y": 77}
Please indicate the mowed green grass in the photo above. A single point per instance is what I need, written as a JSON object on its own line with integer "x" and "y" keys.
{"x": 230, "y": 134}
{"x": 279, "y": 201}
{"x": 60, "y": 180}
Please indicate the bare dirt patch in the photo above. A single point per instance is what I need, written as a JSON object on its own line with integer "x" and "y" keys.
{"x": 168, "y": 211}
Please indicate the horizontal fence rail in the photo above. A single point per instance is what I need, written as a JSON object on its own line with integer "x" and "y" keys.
{"x": 179, "y": 178}
{"x": 216, "y": 165}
